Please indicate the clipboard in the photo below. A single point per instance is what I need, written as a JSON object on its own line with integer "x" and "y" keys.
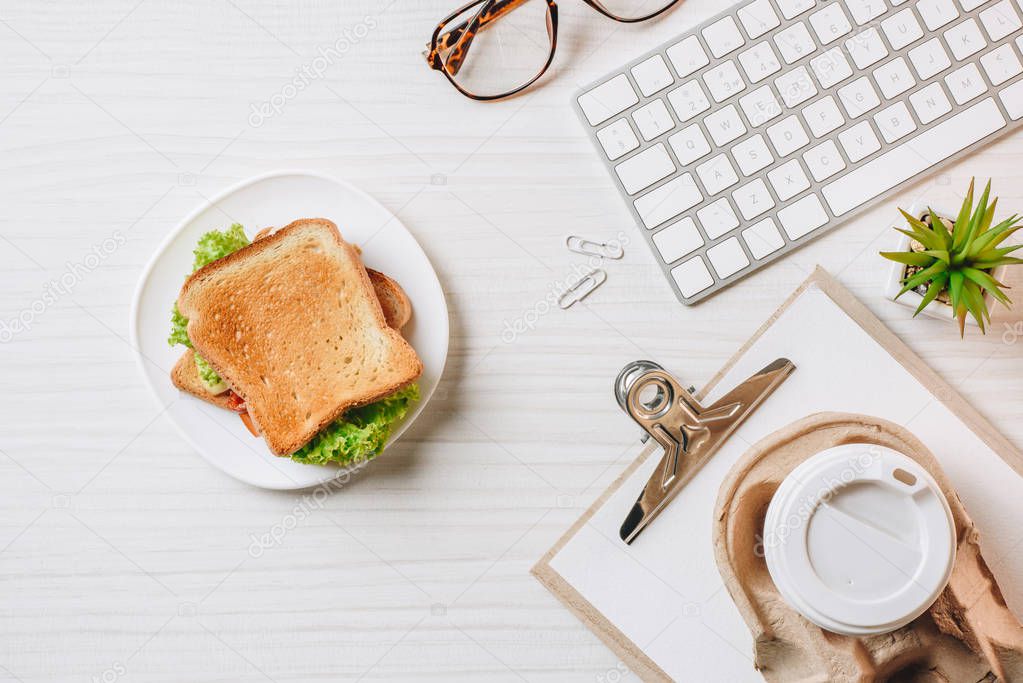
{"x": 660, "y": 604}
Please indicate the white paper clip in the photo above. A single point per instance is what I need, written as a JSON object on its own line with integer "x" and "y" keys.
{"x": 581, "y": 245}
{"x": 583, "y": 288}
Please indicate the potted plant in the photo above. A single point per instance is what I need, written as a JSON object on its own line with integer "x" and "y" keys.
{"x": 951, "y": 265}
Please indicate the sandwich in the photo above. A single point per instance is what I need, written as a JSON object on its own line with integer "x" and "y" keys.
{"x": 297, "y": 336}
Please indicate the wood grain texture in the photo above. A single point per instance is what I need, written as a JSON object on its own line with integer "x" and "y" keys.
{"x": 123, "y": 554}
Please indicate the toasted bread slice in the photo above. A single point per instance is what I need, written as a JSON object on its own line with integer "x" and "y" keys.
{"x": 185, "y": 376}
{"x": 292, "y": 324}
{"x": 393, "y": 299}
{"x": 397, "y": 311}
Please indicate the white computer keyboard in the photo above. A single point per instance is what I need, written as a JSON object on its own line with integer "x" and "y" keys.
{"x": 777, "y": 120}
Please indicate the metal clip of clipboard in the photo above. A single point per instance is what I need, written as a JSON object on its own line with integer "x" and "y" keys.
{"x": 688, "y": 432}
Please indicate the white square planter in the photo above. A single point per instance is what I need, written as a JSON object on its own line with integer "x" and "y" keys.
{"x": 911, "y": 299}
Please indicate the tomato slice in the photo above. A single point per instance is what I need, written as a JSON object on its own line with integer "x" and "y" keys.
{"x": 249, "y": 424}
{"x": 235, "y": 402}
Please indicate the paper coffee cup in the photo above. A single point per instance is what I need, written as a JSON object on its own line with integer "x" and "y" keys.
{"x": 859, "y": 539}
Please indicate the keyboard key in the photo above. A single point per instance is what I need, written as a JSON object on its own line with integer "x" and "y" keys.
{"x": 728, "y": 257}
{"x": 689, "y": 144}
{"x": 617, "y": 139}
{"x": 717, "y": 174}
{"x": 723, "y": 36}
{"x": 753, "y": 199}
{"x": 763, "y": 238}
{"x": 866, "y": 48}
{"x": 758, "y": 18}
{"x": 1000, "y": 20}
{"x": 795, "y": 87}
{"x": 692, "y": 277}
{"x": 645, "y": 169}
{"x": 902, "y": 29}
{"x": 831, "y": 67}
{"x": 752, "y": 155}
{"x": 760, "y": 106}
{"x": 936, "y": 13}
{"x": 908, "y": 160}
{"x": 788, "y": 180}
{"x": 830, "y": 23}
{"x": 607, "y": 99}
{"x": 858, "y": 97}
{"x": 678, "y": 240}
{"x": 724, "y": 125}
{"x": 724, "y": 81}
{"x": 864, "y": 10}
{"x": 895, "y": 122}
{"x": 653, "y": 120}
{"x": 668, "y": 200}
{"x": 793, "y": 8}
{"x": 894, "y": 78}
{"x": 823, "y": 116}
{"x": 802, "y": 217}
{"x": 759, "y": 62}
{"x": 688, "y": 100}
{"x": 929, "y": 59}
{"x": 824, "y": 160}
{"x": 859, "y": 142}
{"x": 930, "y": 103}
{"x": 652, "y": 75}
{"x": 787, "y": 136}
{"x": 1012, "y": 99}
{"x": 965, "y": 39}
{"x": 687, "y": 56}
{"x": 965, "y": 83}
{"x": 794, "y": 43}
{"x": 1001, "y": 64}
{"x": 970, "y": 5}
{"x": 717, "y": 218}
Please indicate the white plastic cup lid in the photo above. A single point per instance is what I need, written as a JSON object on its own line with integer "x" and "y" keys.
{"x": 859, "y": 539}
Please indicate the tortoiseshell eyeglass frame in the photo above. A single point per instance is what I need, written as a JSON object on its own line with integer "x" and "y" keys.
{"x": 456, "y": 40}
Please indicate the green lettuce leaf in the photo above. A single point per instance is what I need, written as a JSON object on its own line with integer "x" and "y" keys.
{"x": 214, "y": 384}
{"x": 361, "y": 433}
{"x": 216, "y": 244}
{"x": 179, "y": 325}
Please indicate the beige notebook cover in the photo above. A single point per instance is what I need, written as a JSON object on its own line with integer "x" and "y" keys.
{"x": 660, "y": 603}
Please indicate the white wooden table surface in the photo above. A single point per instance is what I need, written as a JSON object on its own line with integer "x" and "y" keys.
{"x": 123, "y": 556}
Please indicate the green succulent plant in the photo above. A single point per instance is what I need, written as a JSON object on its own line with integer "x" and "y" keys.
{"x": 959, "y": 261}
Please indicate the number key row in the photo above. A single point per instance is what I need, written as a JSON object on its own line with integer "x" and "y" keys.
{"x": 795, "y": 42}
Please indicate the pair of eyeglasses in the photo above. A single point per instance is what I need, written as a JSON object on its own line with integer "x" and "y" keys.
{"x": 487, "y": 59}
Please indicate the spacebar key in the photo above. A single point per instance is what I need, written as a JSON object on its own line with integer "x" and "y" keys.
{"x": 912, "y": 157}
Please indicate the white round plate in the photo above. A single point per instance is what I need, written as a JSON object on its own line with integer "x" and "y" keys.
{"x": 275, "y": 200}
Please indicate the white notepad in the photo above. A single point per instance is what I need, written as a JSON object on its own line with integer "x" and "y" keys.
{"x": 660, "y": 603}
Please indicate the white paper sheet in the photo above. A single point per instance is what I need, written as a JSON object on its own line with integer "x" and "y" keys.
{"x": 664, "y": 592}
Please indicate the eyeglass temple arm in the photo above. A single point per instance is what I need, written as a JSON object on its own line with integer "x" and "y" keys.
{"x": 458, "y": 40}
